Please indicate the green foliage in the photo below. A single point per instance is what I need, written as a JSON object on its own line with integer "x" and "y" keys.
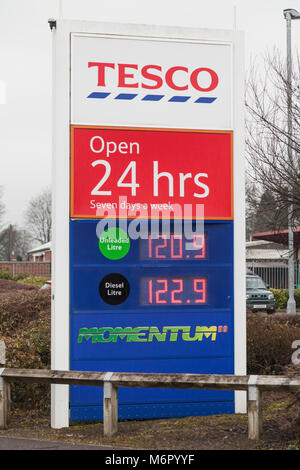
{"x": 34, "y": 280}
{"x": 5, "y": 274}
{"x": 282, "y": 295}
{"x": 24, "y": 278}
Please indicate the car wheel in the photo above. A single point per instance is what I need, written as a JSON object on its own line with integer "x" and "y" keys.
{"x": 269, "y": 312}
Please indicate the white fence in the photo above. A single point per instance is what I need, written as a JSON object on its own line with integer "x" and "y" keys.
{"x": 274, "y": 273}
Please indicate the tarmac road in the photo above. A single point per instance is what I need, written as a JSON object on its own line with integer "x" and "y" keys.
{"x": 9, "y": 443}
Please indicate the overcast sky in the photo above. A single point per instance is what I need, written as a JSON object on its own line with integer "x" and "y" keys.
{"x": 25, "y": 68}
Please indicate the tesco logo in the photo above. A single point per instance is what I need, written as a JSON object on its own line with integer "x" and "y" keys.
{"x": 153, "y": 77}
{"x": 126, "y": 74}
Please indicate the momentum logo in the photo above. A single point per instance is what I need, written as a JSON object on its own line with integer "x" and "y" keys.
{"x": 153, "y": 77}
{"x": 146, "y": 334}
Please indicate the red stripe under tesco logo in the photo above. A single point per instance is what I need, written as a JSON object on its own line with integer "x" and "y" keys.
{"x": 128, "y": 76}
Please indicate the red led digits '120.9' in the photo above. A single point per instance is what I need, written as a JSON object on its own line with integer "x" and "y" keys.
{"x": 173, "y": 247}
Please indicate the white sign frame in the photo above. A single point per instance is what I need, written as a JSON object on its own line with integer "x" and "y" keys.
{"x": 60, "y": 324}
{"x": 162, "y": 52}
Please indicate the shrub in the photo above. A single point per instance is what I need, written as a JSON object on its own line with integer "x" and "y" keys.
{"x": 19, "y": 308}
{"x": 34, "y": 280}
{"x": 269, "y": 341}
{"x": 6, "y": 274}
{"x": 20, "y": 276}
{"x": 282, "y": 296}
{"x": 25, "y": 329}
{"x": 30, "y": 349}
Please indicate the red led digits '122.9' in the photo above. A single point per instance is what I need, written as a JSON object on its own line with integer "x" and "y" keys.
{"x": 183, "y": 290}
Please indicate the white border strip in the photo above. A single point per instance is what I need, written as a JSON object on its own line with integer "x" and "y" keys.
{"x": 240, "y": 339}
{"x": 60, "y": 327}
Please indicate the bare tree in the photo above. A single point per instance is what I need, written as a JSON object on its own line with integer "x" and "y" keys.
{"x": 2, "y": 207}
{"x": 14, "y": 240}
{"x": 262, "y": 211}
{"x": 38, "y": 217}
{"x": 270, "y": 168}
{"x": 252, "y": 202}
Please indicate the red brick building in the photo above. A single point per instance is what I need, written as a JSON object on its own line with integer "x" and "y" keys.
{"x": 41, "y": 253}
{"x": 38, "y": 264}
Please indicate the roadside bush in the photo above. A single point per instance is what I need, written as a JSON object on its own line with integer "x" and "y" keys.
{"x": 19, "y": 308}
{"x": 38, "y": 281}
{"x": 25, "y": 329}
{"x": 5, "y": 274}
{"x": 282, "y": 296}
{"x": 269, "y": 341}
{"x": 30, "y": 349}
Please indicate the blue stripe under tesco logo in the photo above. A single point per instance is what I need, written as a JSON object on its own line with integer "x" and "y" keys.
{"x": 132, "y": 96}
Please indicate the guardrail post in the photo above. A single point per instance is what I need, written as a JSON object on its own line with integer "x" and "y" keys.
{"x": 2, "y": 353}
{"x": 4, "y": 401}
{"x": 110, "y": 406}
{"x": 4, "y": 391}
{"x": 254, "y": 409}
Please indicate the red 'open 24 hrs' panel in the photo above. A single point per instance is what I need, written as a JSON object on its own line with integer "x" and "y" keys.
{"x": 152, "y": 169}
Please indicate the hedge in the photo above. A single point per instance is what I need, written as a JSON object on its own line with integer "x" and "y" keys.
{"x": 25, "y": 328}
{"x": 24, "y": 278}
{"x": 269, "y": 342}
{"x": 282, "y": 295}
{"x": 5, "y": 274}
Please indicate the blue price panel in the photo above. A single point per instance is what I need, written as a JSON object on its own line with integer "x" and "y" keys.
{"x": 164, "y": 307}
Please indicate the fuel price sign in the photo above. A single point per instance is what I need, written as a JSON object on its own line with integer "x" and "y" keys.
{"x": 148, "y": 238}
